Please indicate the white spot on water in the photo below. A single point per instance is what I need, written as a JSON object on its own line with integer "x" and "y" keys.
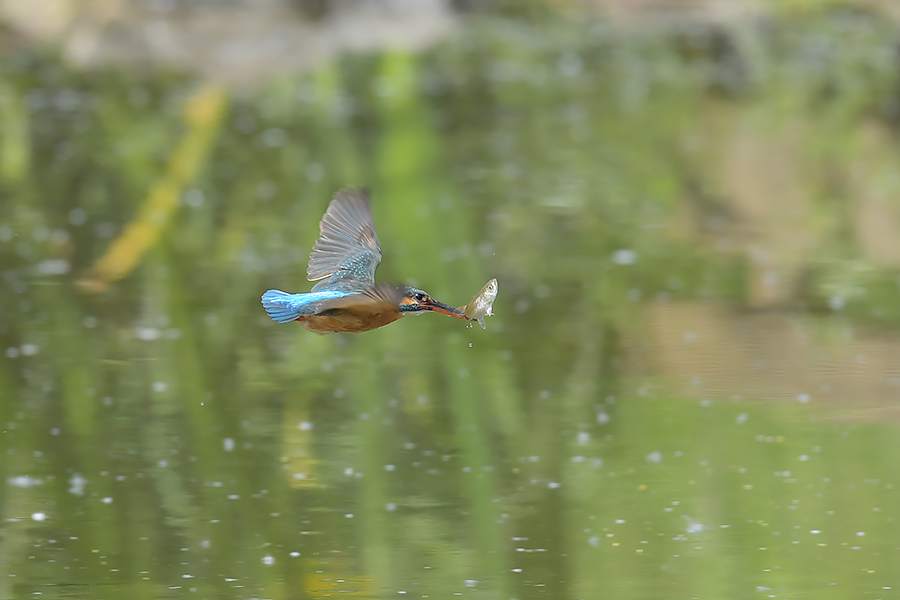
{"x": 160, "y": 386}
{"x": 38, "y": 516}
{"x": 24, "y": 481}
{"x": 76, "y": 484}
{"x": 390, "y": 507}
{"x": 193, "y": 197}
{"x": 53, "y": 266}
{"x": 584, "y": 437}
{"x": 77, "y": 216}
{"x": 741, "y": 419}
{"x": 305, "y": 425}
{"x": 107, "y": 500}
{"x": 655, "y": 457}
{"x": 624, "y": 257}
{"x": 268, "y": 559}
{"x": 803, "y": 398}
{"x": 228, "y": 444}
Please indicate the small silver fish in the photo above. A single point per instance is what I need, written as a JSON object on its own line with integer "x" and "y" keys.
{"x": 481, "y": 304}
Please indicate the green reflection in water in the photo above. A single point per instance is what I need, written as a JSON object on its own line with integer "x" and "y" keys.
{"x": 666, "y": 400}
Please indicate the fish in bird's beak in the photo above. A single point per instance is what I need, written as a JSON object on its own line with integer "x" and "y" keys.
{"x": 439, "y": 307}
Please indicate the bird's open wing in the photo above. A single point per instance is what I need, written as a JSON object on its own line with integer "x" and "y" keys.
{"x": 376, "y": 299}
{"x": 347, "y": 251}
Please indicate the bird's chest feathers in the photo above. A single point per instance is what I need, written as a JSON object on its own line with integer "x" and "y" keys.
{"x": 349, "y": 320}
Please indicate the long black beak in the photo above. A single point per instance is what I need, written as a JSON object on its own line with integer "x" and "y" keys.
{"x": 444, "y": 309}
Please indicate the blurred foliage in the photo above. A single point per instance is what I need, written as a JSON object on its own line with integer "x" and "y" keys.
{"x": 172, "y": 438}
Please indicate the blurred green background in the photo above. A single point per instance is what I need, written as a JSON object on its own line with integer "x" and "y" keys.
{"x": 690, "y": 389}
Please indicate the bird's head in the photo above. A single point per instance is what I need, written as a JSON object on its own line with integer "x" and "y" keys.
{"x": 415, "y": 301}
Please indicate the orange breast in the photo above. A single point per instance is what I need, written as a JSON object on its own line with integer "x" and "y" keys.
{"x": 348, "y": 321}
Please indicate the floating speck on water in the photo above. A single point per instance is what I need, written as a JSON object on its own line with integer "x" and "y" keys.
{"x": 470, "y": 344}
{"x": 160, "y": 386}
{"x": 12, "y": 352}
{"x": 553, "y": 485}
{"x": 860, "y": 533}
{"x": 389, "y": 467}
{"x": 470, "y": 583}
{"x": 107, "y": 500}
{"x": 268, "y": 559}
{"x": 583, "y": 437}
{"x": 163, "y": 463}
{"x": 804, "y": 457}
{"x": 348, "y": 471}
{"x": 741, "y": 419}
{"x": 620, "y": 521}
{"x": 689, "y": 337}
{"x": 594, "y": 541}
{"x": 836, "y": 303}
{"x": 23, "y": 481}
{"x": 815, "y": 531}
{"x": 305, "y": 425}
{"x": 390, "y": 507}
{"x": 695, "y": 527}
{"x": 38, "y": 516}
{"x": 89, "y": 322}
{"x": 228, "y": 444}
{"x": 517, "y": 570}
{"x": 349, "y": 515}
{"x": 602, "y": 417}
{"x": 655, "y": 457}
{"x": 294, "y": 554}
{"x": 803, "y": 398}
{"x": 29, "y": 349}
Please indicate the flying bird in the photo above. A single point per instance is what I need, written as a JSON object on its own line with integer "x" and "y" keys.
{"x": 343, "y": 261}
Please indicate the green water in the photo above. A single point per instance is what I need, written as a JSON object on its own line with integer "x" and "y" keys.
{"x": 689, "y": 390}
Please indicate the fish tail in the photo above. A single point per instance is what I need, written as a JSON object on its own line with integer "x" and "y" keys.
{"x": 279, "y": 306}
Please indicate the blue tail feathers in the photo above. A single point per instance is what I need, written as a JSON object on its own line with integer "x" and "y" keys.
{"x": 279, "y": 306}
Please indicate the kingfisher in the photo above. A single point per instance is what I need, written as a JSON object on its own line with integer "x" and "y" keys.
{"x": 343, "y": 261}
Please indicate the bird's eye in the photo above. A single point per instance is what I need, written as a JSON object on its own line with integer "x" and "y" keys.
{"x": 420, "y": 297}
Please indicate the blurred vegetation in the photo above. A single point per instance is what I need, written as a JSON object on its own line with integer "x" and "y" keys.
{"x": 175, "y": 439}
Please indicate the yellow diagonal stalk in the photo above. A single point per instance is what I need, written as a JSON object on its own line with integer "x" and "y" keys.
{"x": 203, "y": 114}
